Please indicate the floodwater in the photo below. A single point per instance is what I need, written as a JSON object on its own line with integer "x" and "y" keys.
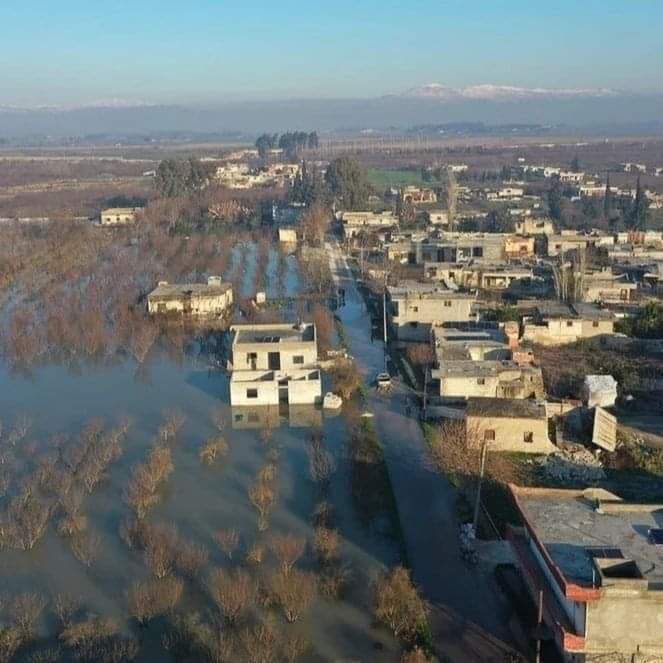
{"x": 199, "y": 500}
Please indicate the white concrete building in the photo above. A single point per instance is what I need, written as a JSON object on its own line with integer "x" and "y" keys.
{"x": 213, "y": 298}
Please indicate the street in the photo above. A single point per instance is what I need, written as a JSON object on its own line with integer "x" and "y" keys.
{"x": 467, "y": 616}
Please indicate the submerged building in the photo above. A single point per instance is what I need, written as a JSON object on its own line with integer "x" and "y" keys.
{"x": 213, "y": 298}
{"x": 275, "y": 364}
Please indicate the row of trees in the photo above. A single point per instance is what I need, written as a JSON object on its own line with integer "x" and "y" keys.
{"x": 291, "y": 142}
{"x": 631, "y": 211}
{"x": 180, "y": 177}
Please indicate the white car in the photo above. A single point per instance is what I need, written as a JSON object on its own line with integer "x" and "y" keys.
{"x": 383, "y": 381}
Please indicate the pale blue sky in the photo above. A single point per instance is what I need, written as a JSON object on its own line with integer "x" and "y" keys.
{"x": 204, "y": 51}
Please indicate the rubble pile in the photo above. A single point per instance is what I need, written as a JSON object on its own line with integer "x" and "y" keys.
{"x": 575, "y": 464}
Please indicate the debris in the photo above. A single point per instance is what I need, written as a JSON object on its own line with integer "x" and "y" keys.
{"x": 576, "y": 464}
{"x": 331, "y": 401}
{"x": 600, "y": 390}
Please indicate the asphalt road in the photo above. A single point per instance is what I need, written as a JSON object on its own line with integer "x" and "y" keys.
{"x": 469, "y": 618}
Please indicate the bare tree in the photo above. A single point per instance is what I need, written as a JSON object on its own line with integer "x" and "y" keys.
{"x": 152, "y": 598}
{"x": 452, "y": 198}
{"x": 398, "y": 604}
{"x": 287, "y": 549}
{"x": 260, "y": 642}
{"x": 28, "y": 518}
{"x": 173, "y": 422}
{"x": 160, "y": 549}
{"x": 255, "y": 554}
{"x": 262, "y": 497}
{"x": 294, "y": 592}
{"x": 65, "y": 607}
{"x": 320, "y": 462}
{"x": 294, "y": 646}
{"x": 85, "y": 545}
{"x": 213, "y": 449}
{"x": 333, "y": 580}
{"x": 346, "y": 378}
{"x": 326, "y": 543}
{"x": 233, "y": 592}
{"x": 190, "y": 558}
{"x": 228, "y": 540}
{"x": 25, "y": 609}
{"x": 416, "y": 655}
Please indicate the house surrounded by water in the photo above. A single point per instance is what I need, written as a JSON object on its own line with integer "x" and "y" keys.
{"x": 275, "y": 364}
{"x": 211, "y": 299}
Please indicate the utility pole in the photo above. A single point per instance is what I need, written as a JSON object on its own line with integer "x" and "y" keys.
{"x": 477, "y": 503}
{"x": 384, "y": 318}
{"x": 539, "y": 621}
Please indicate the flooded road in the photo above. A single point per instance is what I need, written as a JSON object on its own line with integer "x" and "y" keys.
{"x": 426, "y": 500}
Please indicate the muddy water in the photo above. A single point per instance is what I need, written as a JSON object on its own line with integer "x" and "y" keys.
{"x": 198, "y": 499}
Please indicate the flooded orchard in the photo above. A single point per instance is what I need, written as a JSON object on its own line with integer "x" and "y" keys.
{"x": 258, "y": 538}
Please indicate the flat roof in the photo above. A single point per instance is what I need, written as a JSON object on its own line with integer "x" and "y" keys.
{"x": 418, "y": 290}
{"x": 469, "y": 368}
{"x": 573, "y": 532}
{"x": 277, "y": 333}
{"x": 177, "y": 290}
{"x": 505, "y": 408}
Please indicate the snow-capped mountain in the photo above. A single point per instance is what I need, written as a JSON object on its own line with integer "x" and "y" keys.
{"x": 490, "y": 92}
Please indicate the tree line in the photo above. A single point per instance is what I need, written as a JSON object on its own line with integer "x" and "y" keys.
{"x": 291, "y": 142}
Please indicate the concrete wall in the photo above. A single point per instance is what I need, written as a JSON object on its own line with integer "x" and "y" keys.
{"x": 267, "y": 392}
{"x": 287, "y": 352}
{"x": 117, "y": 218}
{"x": 197, "y": 305}
{"x": 425, "y": 312}
{"x": 510, "y": 432}
{"x": 558, "y": 331}
{"x": 626, "y": 623}
{"x": 303, "y": 387}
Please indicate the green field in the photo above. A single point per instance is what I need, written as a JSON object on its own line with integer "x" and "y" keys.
{"x": 381, "y": 178}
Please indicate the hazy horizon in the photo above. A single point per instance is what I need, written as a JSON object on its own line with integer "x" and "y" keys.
{"x": 212, "y": 53}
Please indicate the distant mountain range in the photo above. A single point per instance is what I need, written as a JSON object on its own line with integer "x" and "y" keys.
{"x": 489, "y": 92}
{"x": 599, "y": 111}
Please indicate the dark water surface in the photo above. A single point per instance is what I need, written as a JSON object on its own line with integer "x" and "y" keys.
{"x": 198, "y": 499}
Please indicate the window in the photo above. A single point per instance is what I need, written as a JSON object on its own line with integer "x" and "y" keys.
{"x": 481, "y": 380}
{"x": 414, "y": 324}
{"x": 447, "y": 303}
{"x": 251, "y": 357}
{"x": 298, "y": 359}
{"x": 595, "y": 323}
{"x": 252, "y": 393}
{"x": 528, "y": 437}
{"x": 415, "y": 309}
{"x": 477, "y": 252}
{"x": 489, "y": 435}
{"x": 569, "y": 323}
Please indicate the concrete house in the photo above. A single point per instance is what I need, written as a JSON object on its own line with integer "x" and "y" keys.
{"x": 460, "y": 380}
{"x": 508, "y": 424}
{"x": 595, "y": 564}
{"x": 418, "y": 195}
{"x": 274, "y": 363}
{"x": 476, "y": 275}
{"x": 413, "y": 308}
{"x": 556, "y": 323}
{"x": 604, "y": 286}
{"x": 516, "y": 246}
{"x": 532, "y": 226}
{"x": 355, "y": 222}
{"x": 213, "y": 298}
{"x": 118, "y": 216}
